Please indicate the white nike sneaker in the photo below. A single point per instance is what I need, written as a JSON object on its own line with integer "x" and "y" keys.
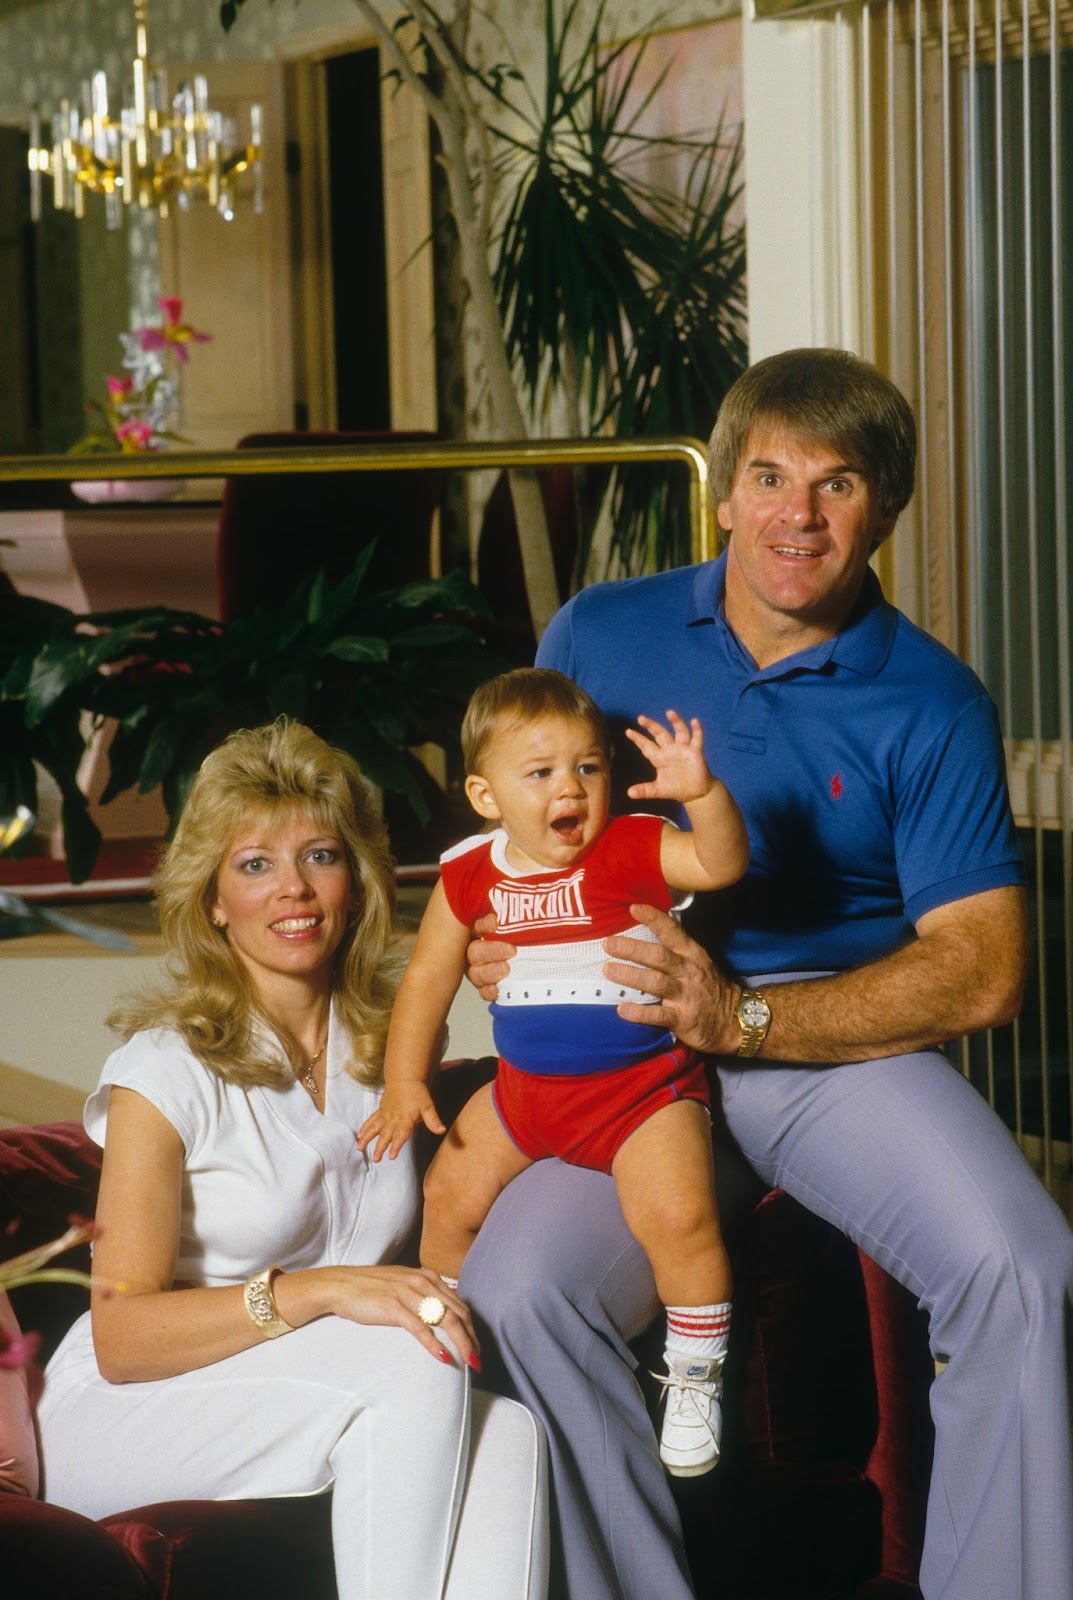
{"x": 693, "y": 1421}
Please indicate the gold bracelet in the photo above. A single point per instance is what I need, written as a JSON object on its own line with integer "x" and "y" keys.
{"x": 261, "y": 1307}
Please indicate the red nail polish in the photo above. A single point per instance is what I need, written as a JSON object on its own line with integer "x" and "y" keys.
{"x": 474, "y": 1361}
{"x": 442, "y": 1355}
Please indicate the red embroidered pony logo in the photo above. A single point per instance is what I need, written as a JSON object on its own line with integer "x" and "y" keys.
{"x": 836, "y": 786}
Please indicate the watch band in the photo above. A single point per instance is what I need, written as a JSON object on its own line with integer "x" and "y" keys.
{"x": 754, "y": 1019}
{"x": 261, "y": 1307}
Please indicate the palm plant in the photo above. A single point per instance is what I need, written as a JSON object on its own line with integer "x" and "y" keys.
{"x": 686, "y": 350}
{"x": 587, "y": 281}
{"x": 622, "y": 296}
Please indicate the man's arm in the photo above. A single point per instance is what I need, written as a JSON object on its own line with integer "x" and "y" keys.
{"x": 964, "y": 971}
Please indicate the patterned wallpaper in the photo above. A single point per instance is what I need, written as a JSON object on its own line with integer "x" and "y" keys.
{"x": 49, "y": 46}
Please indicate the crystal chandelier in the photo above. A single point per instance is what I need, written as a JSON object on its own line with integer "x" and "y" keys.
{"x": 161, "y": 150}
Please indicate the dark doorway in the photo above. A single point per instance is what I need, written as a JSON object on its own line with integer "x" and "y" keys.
{"x": 20, "y": 402}
{"x": 40, "y": 331}
{"x": 359, "y": 265}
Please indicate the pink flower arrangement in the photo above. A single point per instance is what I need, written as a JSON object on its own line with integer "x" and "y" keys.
{"x": 142, "y": 403}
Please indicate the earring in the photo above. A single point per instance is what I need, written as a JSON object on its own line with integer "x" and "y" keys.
{"x": 217, "y": 922}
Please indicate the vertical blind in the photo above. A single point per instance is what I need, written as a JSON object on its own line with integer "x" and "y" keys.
{"x": 965, "y": 117}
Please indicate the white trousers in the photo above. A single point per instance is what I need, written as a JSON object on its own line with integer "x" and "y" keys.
{"x": 433, "y": 1495}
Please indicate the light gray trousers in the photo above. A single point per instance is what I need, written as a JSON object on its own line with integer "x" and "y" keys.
{"x": 909, "y": 1161}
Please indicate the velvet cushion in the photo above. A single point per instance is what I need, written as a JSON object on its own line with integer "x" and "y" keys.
{"x": 278, "y": 529}
{"x": 18, "y": 1443}
{"x": 826, "y": 1463}
{"x": 900, "y": 1460}
{"x": 217, "y": 1550}
{"x": 48, "y": 1553}
{"x": 791, "y": 1510}
{"x": 887, "y": 1589}
{"x": 810, "y": 1383}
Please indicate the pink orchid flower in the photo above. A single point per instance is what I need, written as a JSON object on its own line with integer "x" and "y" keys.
{"x": 18, "y": 1349}
{"x": 119, "y": 388}
{"x": 133, "y": 435}
{"x": 175, "y": 333}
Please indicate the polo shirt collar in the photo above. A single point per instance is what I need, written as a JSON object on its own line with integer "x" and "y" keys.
{"x": 863, "y": 644}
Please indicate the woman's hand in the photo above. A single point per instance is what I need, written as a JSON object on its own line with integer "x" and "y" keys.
{"x": 381, "y": 1297}
{"x": 402, "y": 1106}
{"x": 487, "y": 958}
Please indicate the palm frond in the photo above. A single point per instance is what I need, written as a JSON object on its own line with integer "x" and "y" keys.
{"x": 611, "y": 279}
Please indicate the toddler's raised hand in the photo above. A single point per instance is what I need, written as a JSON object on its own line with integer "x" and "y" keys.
{"x": 677, "y": 754}
{"x": 402, "y": 1107}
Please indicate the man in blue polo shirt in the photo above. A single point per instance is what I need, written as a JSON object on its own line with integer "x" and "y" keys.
{"x": 882, "y": 913}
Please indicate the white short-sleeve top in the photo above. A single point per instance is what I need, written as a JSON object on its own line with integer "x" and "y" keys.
{"x": 267, "y": 1178}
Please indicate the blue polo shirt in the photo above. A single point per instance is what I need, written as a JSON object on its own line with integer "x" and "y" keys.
{"x": 869, "y": 768}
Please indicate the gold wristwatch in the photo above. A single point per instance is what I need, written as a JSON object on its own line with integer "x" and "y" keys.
{"x": 754, "y": 1020}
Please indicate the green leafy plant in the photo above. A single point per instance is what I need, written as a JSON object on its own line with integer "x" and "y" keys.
{"x": 53, "y": 739}
{"x": 375, "y": 673}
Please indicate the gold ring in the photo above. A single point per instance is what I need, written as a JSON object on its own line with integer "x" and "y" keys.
{"x": 432, "y": 1311}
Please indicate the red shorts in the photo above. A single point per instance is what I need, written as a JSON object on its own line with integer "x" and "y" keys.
{"x": 584, "y": 1119}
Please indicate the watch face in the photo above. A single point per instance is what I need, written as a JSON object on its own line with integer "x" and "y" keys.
{"x": 755, "y": 1013}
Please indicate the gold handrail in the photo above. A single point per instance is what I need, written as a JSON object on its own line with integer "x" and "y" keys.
{"x": 391, "y": 457}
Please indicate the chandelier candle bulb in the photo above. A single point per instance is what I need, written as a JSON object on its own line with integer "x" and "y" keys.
{"x": 159, "y": 151}
{"x": 35, "y": 162}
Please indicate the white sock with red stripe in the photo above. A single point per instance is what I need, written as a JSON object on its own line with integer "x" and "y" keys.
{"x": 699, "y": 1332}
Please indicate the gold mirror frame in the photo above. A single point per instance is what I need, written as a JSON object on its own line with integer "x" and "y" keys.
{"x": 690, "y": 453}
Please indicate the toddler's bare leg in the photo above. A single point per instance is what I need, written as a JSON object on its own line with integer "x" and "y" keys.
{"x": 475, "y": 1162}
{"x": 666, "y": 1187}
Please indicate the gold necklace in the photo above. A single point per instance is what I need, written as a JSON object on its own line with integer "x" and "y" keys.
{"x": 305, "y": 1074}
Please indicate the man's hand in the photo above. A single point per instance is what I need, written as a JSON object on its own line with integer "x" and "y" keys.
{"x": 696, "y": 1002}
{"x": 402, "y": 1107}
{"x": 487, "y": 958}
{"x": 964, "y": 971}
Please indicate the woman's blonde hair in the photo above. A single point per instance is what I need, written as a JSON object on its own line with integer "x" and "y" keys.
{"x": 209, "y": 1000}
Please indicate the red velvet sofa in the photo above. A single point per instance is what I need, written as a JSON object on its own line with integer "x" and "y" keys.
{"x": 827, "y": 1443}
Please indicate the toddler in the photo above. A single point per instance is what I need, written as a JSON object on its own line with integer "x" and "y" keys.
{"x": 575, "y": 1080}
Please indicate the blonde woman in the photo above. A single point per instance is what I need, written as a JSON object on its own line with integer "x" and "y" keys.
{"x": 261, "y": 1343}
